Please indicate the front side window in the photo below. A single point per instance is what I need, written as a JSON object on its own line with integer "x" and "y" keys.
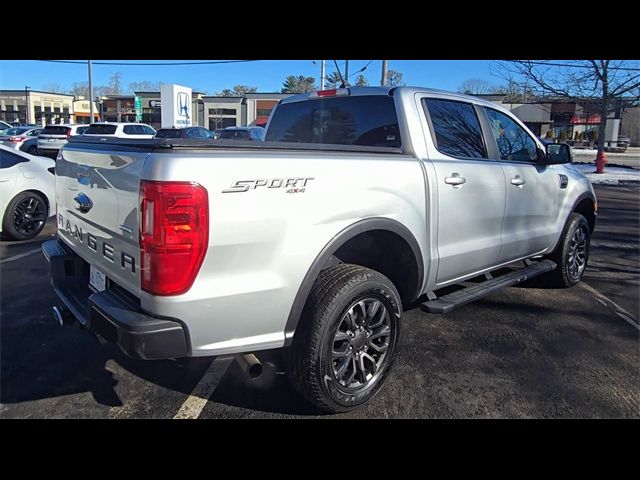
{"x": 456, "y": 128}
{"x": 514, "y": 143}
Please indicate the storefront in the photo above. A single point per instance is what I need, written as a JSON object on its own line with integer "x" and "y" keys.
{"x": 41, "y": 108}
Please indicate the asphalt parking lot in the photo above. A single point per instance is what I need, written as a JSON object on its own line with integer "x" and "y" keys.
{"x": 519, "y": 353}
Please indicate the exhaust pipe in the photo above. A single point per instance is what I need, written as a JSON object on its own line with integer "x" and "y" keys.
{"x": 250, "y": 365}
{"x": 61, "y": 315}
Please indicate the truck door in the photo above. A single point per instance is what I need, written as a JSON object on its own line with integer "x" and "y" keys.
{"x": 534, "y": 191}
{"x": 469, "y": 189}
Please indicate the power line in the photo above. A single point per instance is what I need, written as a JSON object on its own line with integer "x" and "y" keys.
{"x": 573, "y": 65}
{"x": 150, "y": 64}
{"x": 361, "y": 70}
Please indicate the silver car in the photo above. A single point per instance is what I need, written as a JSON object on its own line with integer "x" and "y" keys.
{"x": 22, "y": 138}
{"x": 54, "y": 137}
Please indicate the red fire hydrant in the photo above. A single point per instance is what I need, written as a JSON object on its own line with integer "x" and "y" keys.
{"x": 601, "y": 161}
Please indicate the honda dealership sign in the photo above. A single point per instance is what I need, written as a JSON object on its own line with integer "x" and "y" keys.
{"x": 175, "y": 107}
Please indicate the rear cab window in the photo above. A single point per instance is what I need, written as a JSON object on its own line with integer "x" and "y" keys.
{"x": 367, "y": 120}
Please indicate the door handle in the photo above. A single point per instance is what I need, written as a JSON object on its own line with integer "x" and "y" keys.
{"x": 518, "y": 181}
{"x": 455, "y": 179}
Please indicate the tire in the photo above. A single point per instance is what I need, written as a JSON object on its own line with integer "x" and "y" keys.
{"x": 25, "y": 216}
{"x": 342, "y": 317}
{"x": 576, "y": 237}
{"x": 32, "y": 150}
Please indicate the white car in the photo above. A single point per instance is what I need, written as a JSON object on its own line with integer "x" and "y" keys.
{"x": 27, "y": 193}
{"x": 121, "y": 130}
{"x": 53, "y": 137}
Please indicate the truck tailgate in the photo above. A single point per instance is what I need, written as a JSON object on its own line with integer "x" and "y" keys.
{"x": 97, "y": 195}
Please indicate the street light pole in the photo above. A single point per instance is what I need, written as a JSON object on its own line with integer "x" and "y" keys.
{"x": 91, "y": 119}
{"x": 322, "y": 76}
{"x": 346, "y": 71}
{"x": 385, "y": 66}
{"x": 26, "y": 104}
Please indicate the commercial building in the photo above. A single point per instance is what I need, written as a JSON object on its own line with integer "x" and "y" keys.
{"x": 251, "y": 109}
{"x": 32, "y": 106}
{"x": 575, "y": 122}
{"x": 82, "y": 111}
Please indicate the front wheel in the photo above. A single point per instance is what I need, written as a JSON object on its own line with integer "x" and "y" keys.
{"x": 571, "y": 255}
{"x": 347, "y": 339}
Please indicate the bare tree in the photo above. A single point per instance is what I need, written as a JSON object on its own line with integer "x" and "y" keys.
{"x": 144, "y": 86}
{"x": 298, "y": 84}
{"x": 115, "y": 83}
{"x": 80, "y": 89}
{"x": 614, "y": 84}
{"x": 54, "y": 87}
{"x": 476, "y": 86}
{"x": 394, "y": 78}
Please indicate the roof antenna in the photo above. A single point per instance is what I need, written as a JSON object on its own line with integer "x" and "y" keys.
{"x": 344, "y": 82}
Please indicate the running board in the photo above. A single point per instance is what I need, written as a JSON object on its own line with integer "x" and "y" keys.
{"x": 448, "y": 302}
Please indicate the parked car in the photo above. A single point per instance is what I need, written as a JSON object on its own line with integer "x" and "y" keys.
{"x": 4, "y": 126}
{"x": 17, "y": 136}
{"x": 217, "y": 132}
{"x": 27, "y": 193}
{"x": 242, "y": 133}
{"x": 53, "y": 137}
{"x": 121, "y": 130}
{"x": 623, "y": 143}
{"x": 189, "y": 132}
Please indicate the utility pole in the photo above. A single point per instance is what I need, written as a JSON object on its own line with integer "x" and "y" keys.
{"x": 385, "y": 67}
{"x": 91, "y": 119}
{"x": 346, "y": 72}
{"x": 26, "y": 104}
{"x": 322, "y": 76}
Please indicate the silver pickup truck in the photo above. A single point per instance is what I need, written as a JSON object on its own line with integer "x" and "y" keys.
{"x": 360, "y": 203}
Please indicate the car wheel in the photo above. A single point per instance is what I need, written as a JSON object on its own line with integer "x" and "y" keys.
{"x": 347, "y": 339}
{"x": 25, "y": 216}
{"x": 571, "y": 254}
{"x": 32, "y": 150}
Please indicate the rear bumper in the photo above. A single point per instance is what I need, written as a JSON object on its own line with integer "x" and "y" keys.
{"x": 112, "y": 314}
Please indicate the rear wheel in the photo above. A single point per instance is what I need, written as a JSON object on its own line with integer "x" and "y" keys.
{"x": 32, "y": 150}
{"x": 347, "y": 338}
{"x": 25, "y": 216}
{"x": 571, "y": 255}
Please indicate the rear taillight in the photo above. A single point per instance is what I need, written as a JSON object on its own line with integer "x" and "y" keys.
{"x": 17, "y": 139}
{"x": 68, "y": 133}
{"x": 174, "y": 234}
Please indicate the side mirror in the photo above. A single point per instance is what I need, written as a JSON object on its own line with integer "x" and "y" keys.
{"x": 558, "y": 153}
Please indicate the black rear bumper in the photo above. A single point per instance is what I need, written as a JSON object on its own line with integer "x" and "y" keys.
{"x": 112, "y": 314}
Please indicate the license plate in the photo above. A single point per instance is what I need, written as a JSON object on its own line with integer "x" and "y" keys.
{"x": 97, "y": 279}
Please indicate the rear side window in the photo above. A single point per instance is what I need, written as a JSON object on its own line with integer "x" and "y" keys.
{"x": 132, "y": 130}
{"x": 514, "y": 143}
{"x": 101, "y": 130}
{"x": 456, "y": 128}
{"x": 8, "y": 160}
{"x": 52, "y": 130}
{"x": 359, "y": 120}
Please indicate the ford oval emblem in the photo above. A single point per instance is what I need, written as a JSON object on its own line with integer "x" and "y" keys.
{"x": 82, "y": 203}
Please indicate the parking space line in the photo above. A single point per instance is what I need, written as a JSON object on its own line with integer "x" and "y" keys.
{"x": 617, "y": 309}
{"x": 22, "y": 255}
{"x": 193, "y": 405}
